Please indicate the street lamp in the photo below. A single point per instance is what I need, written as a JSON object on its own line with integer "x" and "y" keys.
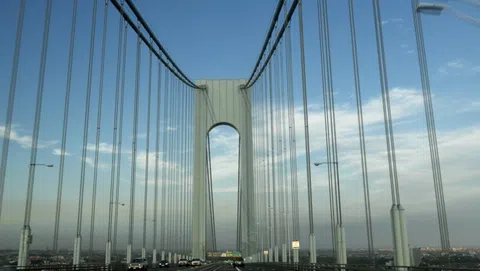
{"x": 436, "y": 9}
{"x": 338, "y": 236}
{"x": 322, "y": 163}
{"x": 45, "y": 165}
{"x": 430, "y": 8}
{"x": 118, "y": 203}
{"x": 26, "y": 236}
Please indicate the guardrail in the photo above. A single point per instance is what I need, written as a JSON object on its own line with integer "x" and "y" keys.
{"x": 320, "y": 267}
{"x": 83, "y": 267}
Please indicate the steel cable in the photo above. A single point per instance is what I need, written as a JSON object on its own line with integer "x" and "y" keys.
{"x": 11, "y": 100}
{"x": 86, "y": 122}
{"x": 134, "y": 143}
{"x": 363, "y": 155}
{"x": 292, "y": 131}
{"x": 38, "y": 112}
{"x": 157, "y": 155}
{"x": 64, "y": 129}
{"x": 386, "y": 104}
{"x": 120, "y": 137}
{"x": 164, "y": 161}
{"x": 99, "y": 124}
{"x": 147, "y": 155}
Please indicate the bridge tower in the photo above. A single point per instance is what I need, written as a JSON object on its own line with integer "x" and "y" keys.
{"x": 223, "y": 102}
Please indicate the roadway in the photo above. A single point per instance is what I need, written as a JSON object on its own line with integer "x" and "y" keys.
{"x": 218, "y": 267}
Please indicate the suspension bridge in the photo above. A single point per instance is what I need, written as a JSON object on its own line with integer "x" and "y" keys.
{"x": 180, "y": 220}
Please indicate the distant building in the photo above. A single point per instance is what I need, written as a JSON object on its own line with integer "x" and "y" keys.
{"x": 415, "y": 256}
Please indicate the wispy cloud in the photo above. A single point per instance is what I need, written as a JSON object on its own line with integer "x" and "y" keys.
{"x": 459, "y": 66}
{"x": 232, "y": 189}
{"x": 103, "y": 147}
{"x": 25, "y": 141}
{"x": 392, "y": 20}
{"x": 59, "y": 152}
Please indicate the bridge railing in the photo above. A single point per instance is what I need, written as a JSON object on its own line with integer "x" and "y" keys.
{"x": 320, "y": 267}
{"x": 85, "y": 267}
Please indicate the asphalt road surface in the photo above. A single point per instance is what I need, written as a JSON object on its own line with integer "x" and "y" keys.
{"x": 219, "y": 267}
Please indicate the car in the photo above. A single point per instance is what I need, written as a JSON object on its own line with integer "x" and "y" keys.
{"x": 238, "y": 262}
{"x": 163, "y": 263}
{"x": 182, "y": 262}
{"x": 138, "y": 264}
{"x": 196, "y": 262}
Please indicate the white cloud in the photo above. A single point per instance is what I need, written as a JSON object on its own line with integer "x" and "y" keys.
{"x": 232, "y": 189}
{"x": 59, "y": 152}
{"x": 103, "y": 147}
{"x": 457, "y": 147}
{"x": 91, "y": 162}
{"x": 25, "y": 141}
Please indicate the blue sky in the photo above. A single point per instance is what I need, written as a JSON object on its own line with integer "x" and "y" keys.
{"x": 221, "y": 39}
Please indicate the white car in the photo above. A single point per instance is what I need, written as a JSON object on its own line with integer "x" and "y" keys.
{"x": 138, "y": 264}
{"x": 196, "y": 262}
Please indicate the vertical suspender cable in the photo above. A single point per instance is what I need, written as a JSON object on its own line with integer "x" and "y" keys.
{"x": 185, "y": 151}
{"x": 171, "y": 163}
{"x": 164, "y": 161}
{"x": 432, "y": 137}
{"x": 120, "y": 137}
{"x": 292, "y": 134}
{"x": 157, "y": 155}
{"x": 85, "y": 126}
{"x": 400, "y": 240}
{"x": 11, "y": 100}
{"x": 386, "y": 103}
{"x": 147, "y": 155}
{"x": 286, "y": 232}
{"x": 278, "y": 134}
{"x": 182, "y": 168}
{"x": 113, "y": 203}
{"x": 181, "y": 178}
{"x": 169, "y": 167}
{"x": 175, "y": 152}
{"x": 363, "y": 153}
{"x": 307, "y": 139}
{"x": 134, "y": 143}
{"x": 64, "y": 128}
{"x": 38, "y": 112}
{"x": 267, "y": 150}
{"x": 327, "y": 112}
{"x": 99, "y": 123}
{"x": 272, "y": 140}
{"x": 333, "y": 119}
{"x": 26, "y": 232}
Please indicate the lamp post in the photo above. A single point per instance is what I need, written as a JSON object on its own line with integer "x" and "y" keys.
{"x": 437, "y": 9}
{"x": 430, "y": 119}
{"x": 340, "y": 243}
{"x": 322, "y": 163}
{"x": 108, "y": 250}
{"x": 26, "y": 236}
{"x": 45, "y": 165}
